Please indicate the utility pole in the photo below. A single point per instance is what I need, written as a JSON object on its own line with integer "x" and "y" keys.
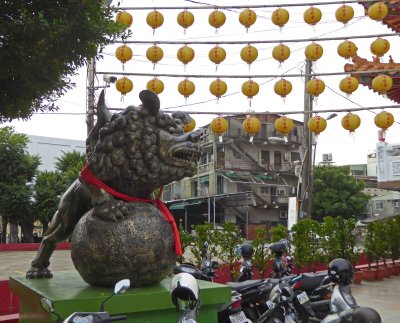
{"x": 91, "y": 70}
{"x": 306, "y": 173}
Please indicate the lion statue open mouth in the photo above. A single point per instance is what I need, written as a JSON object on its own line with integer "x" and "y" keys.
{"x": 108, "y": 210}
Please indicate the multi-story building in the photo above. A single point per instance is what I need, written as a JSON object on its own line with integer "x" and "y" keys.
{"x": 238, "y": 180}
{"x": 388, "y": 166}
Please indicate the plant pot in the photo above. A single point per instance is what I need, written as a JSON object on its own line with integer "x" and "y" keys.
{"x": 358, "y": 276}
{"x": 381, "y": 273}
{"x": 389, "y": 271}
{"x": 395, "y": 269}
{"x": 369, "y": 274}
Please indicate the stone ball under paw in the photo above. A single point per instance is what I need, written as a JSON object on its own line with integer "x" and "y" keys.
{"x": 140, "y": 247}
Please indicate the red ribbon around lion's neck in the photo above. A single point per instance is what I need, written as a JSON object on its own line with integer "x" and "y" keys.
{"x": 89, "y": 178}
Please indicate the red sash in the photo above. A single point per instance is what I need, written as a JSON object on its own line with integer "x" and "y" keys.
{"x": 89, "y": 178}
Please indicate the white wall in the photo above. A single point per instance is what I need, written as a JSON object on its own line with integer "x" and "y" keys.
{"x": 49, "y": 149}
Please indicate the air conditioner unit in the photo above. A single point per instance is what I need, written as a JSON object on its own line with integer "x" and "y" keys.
{"x": 326, "y": 157}
{"x": 283, "y": 215}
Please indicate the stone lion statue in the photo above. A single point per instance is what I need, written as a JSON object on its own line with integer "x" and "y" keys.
{"x": 118, "y": 230}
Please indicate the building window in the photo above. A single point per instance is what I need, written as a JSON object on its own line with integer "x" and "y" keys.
{"x": 277, "y": 158}
{"x": 265, "y": 157}
{"x": 264, "y": 190}
{"x": 273, "y": 191}
{"x": 294, "y": 156}
{"x": 283, "y": 214}
{"x": 378, "y": 205}
{"x": 396, "y": 204}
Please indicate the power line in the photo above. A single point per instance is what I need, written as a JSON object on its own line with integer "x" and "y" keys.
{"x": 299, "y": 40}
{"x": 250, "y": 76}
{"x": 252, "y": 112}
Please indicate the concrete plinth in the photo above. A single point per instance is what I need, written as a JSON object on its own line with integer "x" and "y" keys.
{"x": 70, "y": 293}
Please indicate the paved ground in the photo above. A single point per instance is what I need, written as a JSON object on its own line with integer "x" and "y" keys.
{"x": 384, "y": 296}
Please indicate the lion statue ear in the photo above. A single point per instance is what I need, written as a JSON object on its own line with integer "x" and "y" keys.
{"x": 150, "y": 101}
{"x": 103, "y": 116}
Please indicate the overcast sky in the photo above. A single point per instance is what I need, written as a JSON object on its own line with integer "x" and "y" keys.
{"x": 69, "y": 122}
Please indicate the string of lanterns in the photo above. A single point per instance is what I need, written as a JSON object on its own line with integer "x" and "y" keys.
{"x": 284, "y": 125}
{"x": 279, "y": 17}
{"x": 249, "y": 54}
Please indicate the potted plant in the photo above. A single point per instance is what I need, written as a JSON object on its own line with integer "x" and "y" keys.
{"x": 382, "y": 248}
{"x": 228, "y": 241}
{"x": 307, "y": 244}
{"x": 262, "y": 254}
{"x": 393, "y": 230}
{"x": 370, "y": 251}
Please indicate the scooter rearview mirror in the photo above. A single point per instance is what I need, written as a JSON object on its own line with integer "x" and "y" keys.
{"x": 119, "y": 288}
{"x": 122, "y": 286}
{"x": 47, "y": 305}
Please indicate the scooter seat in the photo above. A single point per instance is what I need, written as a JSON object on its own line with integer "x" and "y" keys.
{"x": 311, "y": 281}
{"x": 245, "y": 285}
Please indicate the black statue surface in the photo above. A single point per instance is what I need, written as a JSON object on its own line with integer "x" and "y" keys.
{"x": 118, "y": 230}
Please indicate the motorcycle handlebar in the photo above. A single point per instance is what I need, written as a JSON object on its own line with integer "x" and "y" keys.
{"x": 118, "y": 318}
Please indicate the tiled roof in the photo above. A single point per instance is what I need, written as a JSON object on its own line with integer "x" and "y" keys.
{"x": 392, "y": 20}
{"x": 362, "y": 64}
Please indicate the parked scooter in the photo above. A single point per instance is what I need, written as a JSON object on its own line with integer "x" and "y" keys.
{"x": 206, "y": 270}
{"x": 185, "y": 296}
{"x": 343, "y": 306}
{"x": 90, "y": 317}
{"x": 246, "y": 267}
{"x": 317, "y": 286}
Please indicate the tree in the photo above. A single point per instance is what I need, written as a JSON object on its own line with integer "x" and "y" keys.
{"x": 262, "y": 253}
{"x": 228, "y": 241}
{"x": 17, "y": 170}
{"x": 279, "y": 232}
{"x": 42, "y": 44}
{"x": 69, "y": 165}
{"x": 393, "y": 234}
{"x": 337, "y": 193}
{"x": 307, "y": 243}
{"x": 49, "y": 186}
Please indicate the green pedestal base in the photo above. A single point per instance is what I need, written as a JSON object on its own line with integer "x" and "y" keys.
{"x": 70, "y": 293}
